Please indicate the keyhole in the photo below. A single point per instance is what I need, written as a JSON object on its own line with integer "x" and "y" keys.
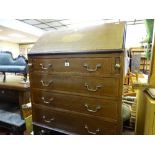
{"x": 66, "y": 63}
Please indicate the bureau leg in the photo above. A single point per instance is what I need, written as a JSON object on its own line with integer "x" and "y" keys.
{"x": 25, "y": 77}
{"x": 4, "y": 78}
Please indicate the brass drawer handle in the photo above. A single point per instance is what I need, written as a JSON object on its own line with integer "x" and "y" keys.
{"x": 49, "y": 120}
{"x": 90, "y": 110}
{"x": 45, "y": 84}
{"x": 91, "y": 89}
{"x": 91, "y": 70}
{"x": 45, "y": 68}
{"x": 44, "y": 132}
{"x": 94, "y": 133}
{"x": 117, "y": 66}
{"x": 47, "y": 102}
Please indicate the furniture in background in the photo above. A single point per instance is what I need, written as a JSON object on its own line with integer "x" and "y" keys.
{"x": 13, "y": 95}
{"x": 141, "y": 105}
{"x": 139, "y": 62}
{"x": 138, "y": 65}
{"x": 149, "y": 125}
{"x": 130, "y": 100}
{"x": 152, "y": 70}
{"x": 144, "y": 65}
{"x": 10, "y": 118}
{"x": 11, "y": 65}
{"x": 150, "y": 100}
{"x": 76, "y": 81}
{"x": 27, "y": 114}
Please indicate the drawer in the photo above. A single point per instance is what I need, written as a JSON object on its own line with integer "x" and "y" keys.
{"x": 41, "y": 130}
{"x": 75, "y": 84}
{"x": 72, "y": 123}
{"x": 93, "y": 66}
{"x": 9, "y": 95}
{"x": 87, "y": 105}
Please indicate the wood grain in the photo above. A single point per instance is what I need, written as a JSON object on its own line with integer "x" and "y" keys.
{"x": 75, "y": 72}
{"x": 71, "y": 122}
{"x": 87, "y": 105}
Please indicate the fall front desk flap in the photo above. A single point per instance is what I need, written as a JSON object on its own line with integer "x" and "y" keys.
{"x": 105, "y": 37}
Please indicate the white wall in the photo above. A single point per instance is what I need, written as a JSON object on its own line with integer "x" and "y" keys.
{"x": 24, "y": 49}
{"x": 8, "y": 46}
{"x": 135, "y": 34}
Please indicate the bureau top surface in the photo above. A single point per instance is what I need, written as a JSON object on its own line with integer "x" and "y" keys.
{"x": 106, "y": 37}
{"x": 14, "y": 84}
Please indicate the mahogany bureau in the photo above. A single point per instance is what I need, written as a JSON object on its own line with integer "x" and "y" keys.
{"x": 76, "y": 80}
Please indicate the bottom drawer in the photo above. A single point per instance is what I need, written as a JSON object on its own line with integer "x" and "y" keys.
{"x": 72, "y": 123}
{"x": 42, "y": 130}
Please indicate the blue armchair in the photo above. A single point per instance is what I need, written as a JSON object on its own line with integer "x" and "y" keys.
{"x": 9, "y": 64}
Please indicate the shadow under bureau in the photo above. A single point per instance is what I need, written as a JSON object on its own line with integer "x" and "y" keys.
{"x": 76, "y": 91}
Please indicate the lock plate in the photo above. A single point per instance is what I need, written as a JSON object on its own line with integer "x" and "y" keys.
{"x": 67, "y": 64}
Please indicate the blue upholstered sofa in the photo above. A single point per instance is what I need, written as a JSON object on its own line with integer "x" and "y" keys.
{"x": 11, "y": 65}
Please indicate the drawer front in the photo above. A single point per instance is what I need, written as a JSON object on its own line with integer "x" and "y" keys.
{"x": 72, "y": 123}
{"x": 9, "y": 96}
{"x": 41, "y": 130}
{"x": 87, "y": 105}
{"x": 80, "y": 85}
{"x": 93, "y": 66}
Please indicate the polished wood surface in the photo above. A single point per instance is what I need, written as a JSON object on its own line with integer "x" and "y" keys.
{"x": 109, "y": 36}
{"x": 14, "y": 85}
{"x": 71, "y": 122}
{"x": 88, "y": 105}
{"x": 75, "y": 84}
{"x": 79, "y": 64}
{"x": 86, "y": 65}
{"x": 78, "y": 93}
{"x": 76, "y": 80}
{"x": 14, "y": 91}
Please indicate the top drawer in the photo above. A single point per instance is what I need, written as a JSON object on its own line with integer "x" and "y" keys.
{"x": 94, "y": 66}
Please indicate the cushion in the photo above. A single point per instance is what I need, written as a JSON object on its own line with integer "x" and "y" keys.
{"x": 5, "y": 59}
{"x": 9, "y": 64}
{"x": 126, "y": 112}
{"x": 11, "y": 68}
{"x": 20, "y": 61}
{"x": 11, "y": 118}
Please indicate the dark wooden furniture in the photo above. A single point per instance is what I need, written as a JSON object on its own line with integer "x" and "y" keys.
{"x": 76, "y": 81}
{"x": 13, "y": 95}
{"x": 15, "y": 92}
{"x": 10, "y": 118}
